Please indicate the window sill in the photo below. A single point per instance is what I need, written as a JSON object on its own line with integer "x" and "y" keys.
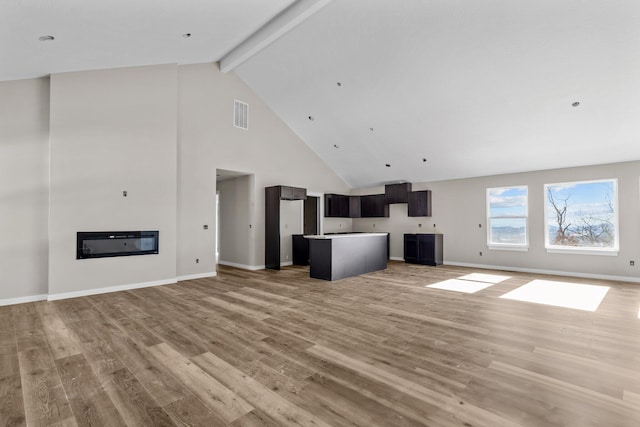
{"x": 508, "y": 248}
{"x": 574, "y": 251}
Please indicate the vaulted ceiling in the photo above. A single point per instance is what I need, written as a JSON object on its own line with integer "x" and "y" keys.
{"x": 91, "y": 34}
{"x": 474, "y": 87}
{"x": 436, "y": 89}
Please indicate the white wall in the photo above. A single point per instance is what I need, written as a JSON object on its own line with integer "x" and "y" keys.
{"x": 290, "y": 224}
{"x": 235, "y": 212}
{"x": 208, "y": 141}
{"x": 460, "y": 205}
{"x": 24, "y": 174}
{"x": 158, "y": 132}
{"x": 110, "y": 131}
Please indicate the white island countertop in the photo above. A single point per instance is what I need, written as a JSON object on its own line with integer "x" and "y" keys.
{"x": 341, "y": 236}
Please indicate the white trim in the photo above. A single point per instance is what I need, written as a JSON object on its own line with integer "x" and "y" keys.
{"x": 95, "y": 291}
{"x": 281, "y": 24}
{"x": 396, "y": 258}
{"x": 251, "y": 267}
{"x": 576, "y": 251}
{"x": 22, "y": 300}
{"x": 541, "y": 271}
{"x": 242, "y": 266}
{"x": 508, "y": 248}
{"x": 196, "y": 276}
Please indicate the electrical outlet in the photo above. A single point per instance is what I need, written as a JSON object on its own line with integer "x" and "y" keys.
{"x": 197, "y": 260}
{"x": 479, "y": 225}
{"x": 124, "y": 194}
{"x": 480, "y": 253}
{"x": 434, "y": 226}
{"x": 632, "y": 263}
{"x": 206, "y": 227}
{"x": 374, "y": 226}
{"x": 419, "y": 225}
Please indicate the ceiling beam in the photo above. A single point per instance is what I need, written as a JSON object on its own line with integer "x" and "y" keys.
{"x": 281, "y": 24}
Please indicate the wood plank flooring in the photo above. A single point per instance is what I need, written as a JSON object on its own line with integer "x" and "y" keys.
{"x": 271, "y": 348}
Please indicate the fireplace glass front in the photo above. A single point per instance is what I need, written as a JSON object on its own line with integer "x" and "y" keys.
{"x": 99, "y": 244}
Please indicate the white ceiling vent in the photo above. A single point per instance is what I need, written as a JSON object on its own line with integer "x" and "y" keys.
{"x": 240, "y": 114}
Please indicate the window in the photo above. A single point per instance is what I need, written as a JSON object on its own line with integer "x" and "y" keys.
{"x": 507, "y": 213}
{"x": 582, "y": 217}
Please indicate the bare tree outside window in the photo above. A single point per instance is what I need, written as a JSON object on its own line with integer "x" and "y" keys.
{"x": 581, "y": 214}
{"x": 559, "y": 211}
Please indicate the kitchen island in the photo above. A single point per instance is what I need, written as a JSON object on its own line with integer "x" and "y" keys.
{"x": 336, "y": 256}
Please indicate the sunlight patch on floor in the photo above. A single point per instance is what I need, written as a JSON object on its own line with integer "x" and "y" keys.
{"x": 466, "y": 286}
{"x": 481, "y": 277}
{"x": 560, "y": 294}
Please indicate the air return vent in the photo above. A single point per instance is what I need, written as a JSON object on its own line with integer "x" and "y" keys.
{"x": 240, "y": 114}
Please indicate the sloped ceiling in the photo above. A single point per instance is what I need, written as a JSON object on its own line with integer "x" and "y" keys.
{"x": 92, "y": 34}
{"x": 475, "y": 88}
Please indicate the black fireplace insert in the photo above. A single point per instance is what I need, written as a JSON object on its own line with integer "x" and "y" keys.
{"x": 99, "y": 244}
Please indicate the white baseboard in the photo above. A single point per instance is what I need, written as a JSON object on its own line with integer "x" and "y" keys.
{"x": 242, "y": 266}
{"x": 22, "y": 300}
{"x": 251, "y": 267}
{"x": 196, "y": 276}
{"x": 76, "y": 294}
{"x": 396, "y": 258}
{"x": 542, "y": 271}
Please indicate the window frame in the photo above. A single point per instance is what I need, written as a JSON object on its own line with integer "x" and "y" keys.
{"x": 507, "y": 246}
{"x": 578, "y": 250}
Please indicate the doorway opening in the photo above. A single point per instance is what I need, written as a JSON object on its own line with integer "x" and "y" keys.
{"x": 234, "y": 213}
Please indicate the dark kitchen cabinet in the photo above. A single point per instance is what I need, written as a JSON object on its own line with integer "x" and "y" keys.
{"x": 423, "y": 249}
{"x": 336, "y": 206}
{"x": 397, "y": 193}
{"x": 420, "y": 203}
{"x": 354, "y": 207}
{"x": 300, "y": 248}
{"x": 292, "y": 193}
{"x": 373, "y": 206}
{"x": 273, "y": 195}
{"x": 411, "y": 248}
{"x": 341, "y": 206}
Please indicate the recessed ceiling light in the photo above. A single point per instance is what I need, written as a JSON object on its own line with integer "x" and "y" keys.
{"x": 387, "y": 165}
{"x": 575, "y": 104}
{"x": 371, "y": 129}
{"x": 339, "y": 84}
{"x": 424, "y": 160}
{"x": 186, "y": 35}
{"x": 311, "y": 118}
{"x": 336, "y": 146}
{"x": 46, "y": 38}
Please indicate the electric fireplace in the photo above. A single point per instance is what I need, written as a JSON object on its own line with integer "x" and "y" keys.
{"x": 99, "y": 244}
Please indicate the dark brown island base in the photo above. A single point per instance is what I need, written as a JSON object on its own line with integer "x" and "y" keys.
{"x": 334, "y": 257}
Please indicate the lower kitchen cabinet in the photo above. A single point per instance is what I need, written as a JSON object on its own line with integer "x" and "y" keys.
{"x": 423, "y": 249}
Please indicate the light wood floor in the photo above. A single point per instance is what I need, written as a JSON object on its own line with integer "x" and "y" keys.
{"x": 277, "y": 348}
